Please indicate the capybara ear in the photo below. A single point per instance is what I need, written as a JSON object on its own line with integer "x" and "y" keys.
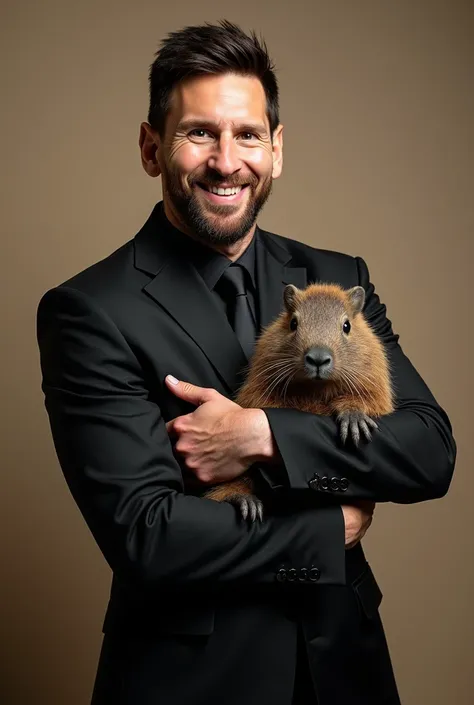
{"x": 290, "y": 294}
{"x": 357, "y": 298}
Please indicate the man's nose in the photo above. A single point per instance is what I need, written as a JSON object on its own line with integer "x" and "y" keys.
{"x": 225, "y": 158}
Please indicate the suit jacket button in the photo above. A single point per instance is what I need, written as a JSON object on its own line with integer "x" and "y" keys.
{"x": 314, "y": 482}
{"x": 334, "y": 484}
{"x": 281, "y": 575}
{"x": 343, "y": 483}
{"x": 324, "y": 483}
{"x": 303, "y": 575}
{"x": 314, "y": 574}
{"x": 292, "y": 575}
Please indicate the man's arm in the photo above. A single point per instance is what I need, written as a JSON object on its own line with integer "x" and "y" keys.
{"x": 115, "y": 453}
{"x": 409, "y": 459}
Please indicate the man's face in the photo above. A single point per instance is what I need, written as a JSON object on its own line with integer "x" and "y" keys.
{"x": 217, "y": 159}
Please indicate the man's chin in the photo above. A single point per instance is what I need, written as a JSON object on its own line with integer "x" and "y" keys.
{"x": 221, "y": 213}
{"x": 214, "y": 227}
{"x": 221, "y": 229}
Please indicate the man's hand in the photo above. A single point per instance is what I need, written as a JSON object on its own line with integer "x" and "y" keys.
{"x": 219, "y": 440}
{"x": 357, "y": 518}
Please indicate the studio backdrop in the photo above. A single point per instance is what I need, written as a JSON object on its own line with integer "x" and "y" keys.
{"x": 377, "y": 103}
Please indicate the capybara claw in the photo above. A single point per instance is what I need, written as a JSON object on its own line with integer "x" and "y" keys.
{"x": 355, "y": 422}
{"x": 250, "y": 507}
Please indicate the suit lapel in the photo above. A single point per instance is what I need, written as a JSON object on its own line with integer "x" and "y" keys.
{"x": 273, "y": 275}
{"x": 178, "y": 288}
{"x": 181, "y": 291}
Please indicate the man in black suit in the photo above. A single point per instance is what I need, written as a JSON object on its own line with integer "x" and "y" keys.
{"x": 207, "y": 607}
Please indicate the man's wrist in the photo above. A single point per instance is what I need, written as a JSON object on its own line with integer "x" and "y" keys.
{"x": 261, "y": 442}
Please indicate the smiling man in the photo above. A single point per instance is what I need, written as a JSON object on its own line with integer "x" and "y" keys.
{"x": 217, "y": 157}
{"x": 206, "y": 607}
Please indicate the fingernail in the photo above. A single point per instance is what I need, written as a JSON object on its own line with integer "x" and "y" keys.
{"x": 172, "y": 379}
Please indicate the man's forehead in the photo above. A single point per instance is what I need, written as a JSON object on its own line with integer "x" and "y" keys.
{"x": 221, "y": 99}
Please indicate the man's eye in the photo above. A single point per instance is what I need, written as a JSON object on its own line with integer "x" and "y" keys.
{"x": 248, "y": 135}
{"x": 199, "y": 132}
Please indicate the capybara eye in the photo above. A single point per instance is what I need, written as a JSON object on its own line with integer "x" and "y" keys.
{"x": 346, "y": 327}
{"x": 294, "y": 323}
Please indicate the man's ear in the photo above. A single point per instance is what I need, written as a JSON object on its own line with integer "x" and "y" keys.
{"x": 149, "y": 142}
{"x": 277, "y": 148}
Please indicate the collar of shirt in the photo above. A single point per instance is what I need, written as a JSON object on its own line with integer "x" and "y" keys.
{"x": 209, "y": 263}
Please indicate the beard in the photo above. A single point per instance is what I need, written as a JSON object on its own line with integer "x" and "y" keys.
{"x": 212, "y": 223}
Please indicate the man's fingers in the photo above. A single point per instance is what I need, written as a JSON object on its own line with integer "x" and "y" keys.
{"x": 367, "y": 505}
{"x": 170, "y": 428}
{"x": 173, "y": 432}
{"x": 187, "y": 391}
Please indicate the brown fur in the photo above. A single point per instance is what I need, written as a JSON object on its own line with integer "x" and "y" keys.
{"x": 360, "y": 380}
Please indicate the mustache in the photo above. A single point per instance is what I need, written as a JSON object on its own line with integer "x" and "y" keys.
{"x": 214, "y": 179}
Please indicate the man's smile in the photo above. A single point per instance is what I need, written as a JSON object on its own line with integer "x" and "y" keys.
{"x": 223, "y": 195}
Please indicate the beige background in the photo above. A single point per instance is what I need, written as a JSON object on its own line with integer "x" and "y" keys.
{"x": 377, "y": 99}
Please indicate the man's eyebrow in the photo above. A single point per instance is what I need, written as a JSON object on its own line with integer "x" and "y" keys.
{"x": 253, "y": 127}
{"x": 193, "y": 123}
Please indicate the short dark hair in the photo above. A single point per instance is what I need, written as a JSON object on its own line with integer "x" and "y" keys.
{"x": 211, "y": 49}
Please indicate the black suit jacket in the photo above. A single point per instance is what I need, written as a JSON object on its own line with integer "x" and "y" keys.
{"x": 204, "y": 607}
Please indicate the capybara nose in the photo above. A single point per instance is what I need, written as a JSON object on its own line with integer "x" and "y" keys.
{"x": 319, "y": 360}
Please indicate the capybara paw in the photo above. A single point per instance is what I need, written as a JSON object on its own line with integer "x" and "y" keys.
{"x": 250, "y": 507}
{"x": 355, "y": 422}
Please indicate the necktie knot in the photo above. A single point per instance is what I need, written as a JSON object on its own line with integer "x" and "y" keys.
{"x": 233, "y": 279}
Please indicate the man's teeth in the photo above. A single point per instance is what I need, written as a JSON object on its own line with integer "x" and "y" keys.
{"x": 225, "y": 191}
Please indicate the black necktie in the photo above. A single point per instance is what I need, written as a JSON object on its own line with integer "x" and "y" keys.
{"x": 232, "y": 284}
